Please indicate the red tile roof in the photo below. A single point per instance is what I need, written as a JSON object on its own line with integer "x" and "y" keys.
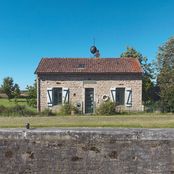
{"x": 88, "y": 65}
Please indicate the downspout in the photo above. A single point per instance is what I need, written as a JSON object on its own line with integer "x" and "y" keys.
{"x": 38, "y": 94}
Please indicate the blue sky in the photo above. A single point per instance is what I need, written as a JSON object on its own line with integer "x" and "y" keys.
{"x": 32, "y": 29}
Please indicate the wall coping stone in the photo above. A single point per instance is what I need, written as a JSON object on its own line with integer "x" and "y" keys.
{"x": 71, "y": 133}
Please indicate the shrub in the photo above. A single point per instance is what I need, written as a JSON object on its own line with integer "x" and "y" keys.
{"x": 67, "y": 108}
{"x": 32, "y": 102}
{"x": 16, "y": 110}
{"x": 19, "y": 110}
{"x": 47, "y": 112}
{"x": 107, "y": 108}
{"x": 2, "y": 109}
{"x": 153, "y": 107}
{"x": 32, "y": 95}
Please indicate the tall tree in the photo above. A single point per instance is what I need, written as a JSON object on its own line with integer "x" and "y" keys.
{"x": 7, "y": 87}
{"x": 10, "y": 89}
{"x": 165, "y": 65}
{"x": 147, "y": 85}
{"x": 16, "y": 91}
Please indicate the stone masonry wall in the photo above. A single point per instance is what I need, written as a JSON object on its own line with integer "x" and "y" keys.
{"x": 102, "y": 86}
{"x": 87, "y": 151}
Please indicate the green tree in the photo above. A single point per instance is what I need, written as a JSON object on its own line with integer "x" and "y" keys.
{"x": 165, "y": 67}
{"x": 147, "y": 86}
{"x": 16, "y": 91}
{"x": 32, "y": 95}
{"x": 1, "y": 91}
{"x": 7, "y": 87}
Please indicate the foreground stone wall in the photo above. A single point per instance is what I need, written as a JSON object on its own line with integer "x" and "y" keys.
{"x": 92, "y": 151}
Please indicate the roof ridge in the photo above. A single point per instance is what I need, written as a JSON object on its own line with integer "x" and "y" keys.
{"x": 88, "y": 58}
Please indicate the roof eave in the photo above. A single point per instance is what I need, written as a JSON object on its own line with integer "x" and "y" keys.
{"x": 42, "y": 73}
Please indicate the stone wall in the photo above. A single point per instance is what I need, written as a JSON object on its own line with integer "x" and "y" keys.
{"x": 87, "y": 151}
{"x": 102, "y": 85}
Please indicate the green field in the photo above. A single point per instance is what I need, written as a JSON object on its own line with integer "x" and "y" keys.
{"x": 130, "y": 121}
{"x": 7, "y": 103}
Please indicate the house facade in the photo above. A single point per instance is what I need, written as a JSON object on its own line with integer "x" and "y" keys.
{"x": 87, "y": 82}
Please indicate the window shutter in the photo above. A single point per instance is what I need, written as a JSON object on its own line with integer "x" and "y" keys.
{"x": 113, "y": 94}
{"x": 50, "y": 97}
{"x": 128, "y": 97}
{"x": 65, "y": 95}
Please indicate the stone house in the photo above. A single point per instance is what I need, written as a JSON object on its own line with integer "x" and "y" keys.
{"x": 87, "y": 82}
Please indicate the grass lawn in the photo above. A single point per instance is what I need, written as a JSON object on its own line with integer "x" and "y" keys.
{"x": 130, "y": 121}
{"x": 7, "y": 103}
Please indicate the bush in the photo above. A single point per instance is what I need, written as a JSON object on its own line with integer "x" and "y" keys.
{"x": 32, "y": 102}
{"x": 107, "y": 108}
{"x": 153, "y": 107}
{"x": 47, "y": 112}
{"x": 16, "y": 110}
{"x": 67, "y": 108}
{"x": 2, "y": 109}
